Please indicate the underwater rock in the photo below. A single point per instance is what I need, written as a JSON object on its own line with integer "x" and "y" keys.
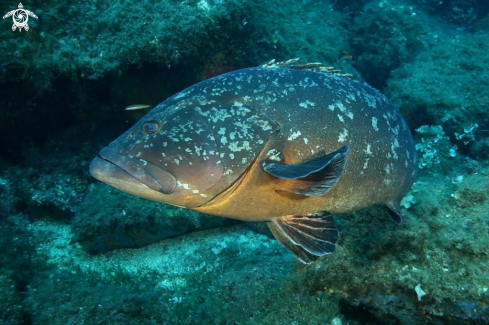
{"x": 448, "y": 85}
{"x": 108, "y": 219}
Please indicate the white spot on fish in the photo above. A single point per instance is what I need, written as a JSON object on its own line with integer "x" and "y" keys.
{"x": 185, "y": 186}
{"x": 231, "y": 156}
{"x": 294, "y": 135}
{"x": 343, "y": 135}
{"x": 305, "y": 140}
{"x": 234, "y": 146}
{"x": 306, "y": 104}
{"x": 341, "y": 118}
{"x": 340, "y": 106}
{"x": 365, "y": 164}
{"x": 374, "y": 124}
{"x": 393, "y": 150}
{"x": 197, "y": 150}
{"x": 273, "y": 155}
{"x": 368, "y": 151}
{"x": 224, "y": 140}
{"x": 264, "y": 125}
{"x": 371, "y": 100}
{"x": 176, "y": 161}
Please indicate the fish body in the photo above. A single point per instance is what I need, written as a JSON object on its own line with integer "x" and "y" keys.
{"x": 287, "y": 146}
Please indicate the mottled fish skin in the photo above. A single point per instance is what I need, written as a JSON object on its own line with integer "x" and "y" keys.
{"x": 213, "y": 137}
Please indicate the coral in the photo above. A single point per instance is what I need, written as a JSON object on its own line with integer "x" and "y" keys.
{"x": 386, "y": 34}
{"x": 448, "y": 85}
{"x": 434, "y": 147}
{"x": 11, "y": 311}
{"x": 49, "y": 182}
{"x": 18, "y": 263}
{"x": 247, "y": 278}
{"x": 110, "y": 36}
{"x": 439, "y": 246}
{"x": 312, "y": 31}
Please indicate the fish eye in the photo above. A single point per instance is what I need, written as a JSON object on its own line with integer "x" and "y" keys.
{"x": 151, "y": 127}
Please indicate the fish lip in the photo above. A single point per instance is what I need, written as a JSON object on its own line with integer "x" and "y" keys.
{"x": 105, "y": 171}
{"x": 141, "y": 170}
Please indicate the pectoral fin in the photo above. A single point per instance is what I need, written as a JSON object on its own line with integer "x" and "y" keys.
{"x": 308, "y": 236}
{"x": 311, "y": 178}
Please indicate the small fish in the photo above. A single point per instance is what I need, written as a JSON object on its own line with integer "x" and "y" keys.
{"x": 288, "y": 145}
{"x": 345, "y": 56}
{"x": 136, "y": 107}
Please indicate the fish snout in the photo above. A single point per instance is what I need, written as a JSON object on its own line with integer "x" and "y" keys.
{"x": 114, "y": 167}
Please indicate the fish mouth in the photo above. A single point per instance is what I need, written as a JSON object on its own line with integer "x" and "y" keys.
{"x": 130, "y": 174}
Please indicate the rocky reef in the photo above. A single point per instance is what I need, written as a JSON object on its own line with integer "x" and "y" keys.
{"x": 73, "y": 250}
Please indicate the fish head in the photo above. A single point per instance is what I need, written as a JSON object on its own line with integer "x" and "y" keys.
{"x": 169, "y": 156}
{"x": 185, "y": 151}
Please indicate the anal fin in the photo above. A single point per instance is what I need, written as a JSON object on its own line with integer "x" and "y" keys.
{"x": 308, "y": 236}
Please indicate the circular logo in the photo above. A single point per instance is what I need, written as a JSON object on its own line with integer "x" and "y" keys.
{"x": 20, "y": 18}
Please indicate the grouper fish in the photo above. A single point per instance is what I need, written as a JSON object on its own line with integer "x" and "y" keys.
{"x": 291, "y": 145}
